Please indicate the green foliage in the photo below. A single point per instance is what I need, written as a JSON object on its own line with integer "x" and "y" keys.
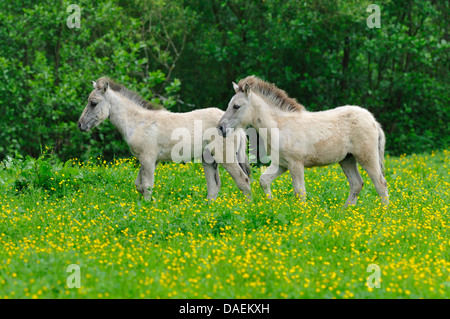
{"x": 47, "y": 69}
{"x": 184, "y": 55}
{"x": 46, "y": 172}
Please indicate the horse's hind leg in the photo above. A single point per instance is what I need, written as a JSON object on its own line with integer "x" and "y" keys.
{"x": 350, "y": 168}
{"x": 373, "y": 169}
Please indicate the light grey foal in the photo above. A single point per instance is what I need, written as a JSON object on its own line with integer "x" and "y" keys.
{"x": 149, "y": 134}
{"x": 346, "y": 135}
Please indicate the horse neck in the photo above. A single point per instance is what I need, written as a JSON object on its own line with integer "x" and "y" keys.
{"x": 265, "y": 118}
{"x": 123, "y": 114}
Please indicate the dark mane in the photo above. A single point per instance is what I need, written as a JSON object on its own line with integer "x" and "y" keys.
{"x": 131, "y": 95}
{"x": 271, "y": 93}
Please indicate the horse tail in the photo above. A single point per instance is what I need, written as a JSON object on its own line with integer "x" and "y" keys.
{"x": 381, "y": 146}
{"x": 241, "y": 153}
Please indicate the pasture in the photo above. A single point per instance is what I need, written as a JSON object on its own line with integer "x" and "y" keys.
{"x": 89, "y": 214}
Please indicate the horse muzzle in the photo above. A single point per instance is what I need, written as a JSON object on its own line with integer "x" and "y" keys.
{"x": 222, "y": 130}
{"x": 83, "y": 128}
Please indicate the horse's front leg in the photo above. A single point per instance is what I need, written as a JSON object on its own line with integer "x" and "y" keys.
{"x": 266, "y": 179}
{"x": 240, "y": 177}
{"x": 138, "y": 182}
{"x": 297, "y": 171}
{"x": 146, "y": 178}
{"x": 210, "y": 167}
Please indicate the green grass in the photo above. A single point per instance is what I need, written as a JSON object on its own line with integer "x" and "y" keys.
{"x": 180, "y": 246}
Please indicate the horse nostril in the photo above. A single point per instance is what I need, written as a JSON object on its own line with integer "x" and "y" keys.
{"x": 220, "y": 128}
{"x": 79, "y": 125}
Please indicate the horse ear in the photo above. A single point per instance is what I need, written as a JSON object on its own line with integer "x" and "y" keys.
{"x": 236, "y": 87}
{"x": 105, "y": 87}
{"x": 246, "y": 88}
{"x": 94, "y": 84}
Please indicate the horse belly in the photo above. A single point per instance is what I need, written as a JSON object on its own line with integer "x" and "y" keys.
{"x": 325, "y": 152}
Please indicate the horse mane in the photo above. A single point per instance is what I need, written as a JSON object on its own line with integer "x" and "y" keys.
{"x": 131, "y": 95}
{"x": 275, "y": 96}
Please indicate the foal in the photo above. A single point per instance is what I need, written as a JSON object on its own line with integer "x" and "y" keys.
{"x": 347, "y": 135}
{"x": 149, "y": 134}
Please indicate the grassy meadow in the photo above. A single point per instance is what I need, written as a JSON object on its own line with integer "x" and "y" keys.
{"x": 53, "y": 215}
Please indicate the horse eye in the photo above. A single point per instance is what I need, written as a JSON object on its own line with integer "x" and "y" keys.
{"x": 236, "y": 106}
{"x": 93, "y": 104}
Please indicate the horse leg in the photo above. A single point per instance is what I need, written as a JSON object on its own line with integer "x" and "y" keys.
{"x": 373, "y": 169}
{"x": 212, "y": 179}
{"x": 350, "y": 168}
{"x": 241, "y": 179}
{"x": 147, "y": 177}
{"x": 138, "y": 182}
{"x": 272, "y": 172}
{"x": 297, "y": 171}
